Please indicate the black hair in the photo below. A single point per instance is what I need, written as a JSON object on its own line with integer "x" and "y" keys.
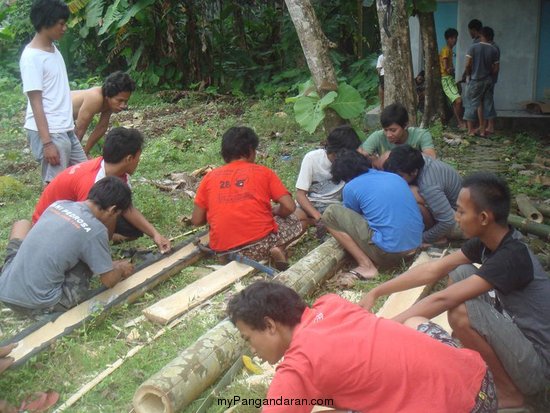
{"x": 117, "y": 82}
{"x": 404, "y": 158}
{"x": 348, "y": 165}
{"x": 46, "y": 13}
{"x": 488, "y": 33}
{"x": 238, "y": 142}
{"x": 266, "y": 299}
{"x": 342, "y": 137}
{"x": 394, "y": 113}
{"x": 491, "y": 193}
{"x": 111, "y": 191}
{"x": 475, "y": 24}
{"x": 121, "y": 142}
{"x": 450, "y": 33}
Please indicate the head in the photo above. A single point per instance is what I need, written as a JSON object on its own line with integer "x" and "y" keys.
{"x": 405, "y": 161}
{"x": 265, "y": 314}
{"x": 420, "y": 78}
{"x": 487, "y": 34}
{"x": 348, "y": 165}
{"x": 341, "y": 137}
{"x": 117, "y": 89}
{"x": 239, "y": 142}
{"x": 451, "y": 36}
{"x": 123, "y": 146}
{"x": 110, "y": 195}
{"x": 50, "y": 16}
{"x": 474, "y": 27}
{"x": 483, "y": 201}
{"x": 394, "y": 119}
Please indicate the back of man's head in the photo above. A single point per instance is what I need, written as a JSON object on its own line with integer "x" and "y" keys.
{"x": 121, "y": 142}
{"x": 405, "y": 159}
{"x": 116, "y": 83}
{"x": 489, "y": 192}
{"x": 394, "y": 113}
{"x": 488, "y": 33}
{"x": 238, "y": 142}
{"x": 348, "y": 165}
{"x": 342, "y": 137}
{"x": 111, "y": 191}
{"x": 47, "y": 13}
{"x": 475, "y": 24}
{"x": 266, "y": 299}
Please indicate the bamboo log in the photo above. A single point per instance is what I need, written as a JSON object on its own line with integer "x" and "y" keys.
{"x": 543, "y": 208}
{"x": 526, "y": 225}
{"x": 527, "y": 209}
{"x": 197, "y": 367}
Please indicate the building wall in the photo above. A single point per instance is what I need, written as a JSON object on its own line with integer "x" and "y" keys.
{"x": 543, "y": 72}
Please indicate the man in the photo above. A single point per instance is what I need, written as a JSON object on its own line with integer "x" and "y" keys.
{"x": 121, "y": 154}
{"x": 489, "y": 112}
{"x": 448, "y": 82}
{"x": 435, "y": 186}
{"x": 355, "y": 361}
{"x": 394, "y": 119}
{"x": 48, "y": 266}
{"x": 380, "y": 70}
{"x": 49, "y": 118}
{"x": 379, "y": 223}
{"x": 510, "y": 328}
{"x": 110, "y": 98}
{"x": 474, "y": 29}
{"x": 235, "y": 200}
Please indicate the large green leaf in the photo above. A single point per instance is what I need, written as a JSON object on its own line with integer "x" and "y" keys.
{"x": 132, "y": 11}
{"x": 94, "y": 12}
{"x": 310, "y": 111}
{"x": 304, "y": 89}
{"x": 112, "y": 16}
{"x": 349, "y": 103}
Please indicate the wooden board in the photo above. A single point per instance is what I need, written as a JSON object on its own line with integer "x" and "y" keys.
{"x": 126, "y": 290}
{"x": 166, "y": 310}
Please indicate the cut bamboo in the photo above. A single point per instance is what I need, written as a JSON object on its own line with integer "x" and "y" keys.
{"x": 165, "y": 310}
{"x": 32, "y": 342}
{"x": 543, "y": 208}
{"x": 526, "y": 225}
{"x": 527, "y": 209}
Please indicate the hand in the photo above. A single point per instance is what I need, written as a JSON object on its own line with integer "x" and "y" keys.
{"x": 163, "y": 243}
{"x": 51, "y": 154}
{"x": 368, "y": 301}
{"x": 125, "y": 267}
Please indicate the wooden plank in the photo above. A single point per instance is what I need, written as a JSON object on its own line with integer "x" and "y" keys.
{"x": 167, "y": 309}
{"x": 126, "y": 290}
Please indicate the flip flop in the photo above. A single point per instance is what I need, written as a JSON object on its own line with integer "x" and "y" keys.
{"x": 39, "y": 402}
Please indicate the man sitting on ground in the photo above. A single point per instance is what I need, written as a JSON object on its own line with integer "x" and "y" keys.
{"x": 435, "y": 186}
{"x": 394, "y": 119}
{"x": 509, "y": 327}
{"x": 314, "y": 187}
{"x": 43, "y": 276}
{"x": 110, "y": 98}
{"x": 379, "y": 223}
{"x": 235, "y": 200}
{"x": 355, "y": 361}
{"x": 121, "y": 154}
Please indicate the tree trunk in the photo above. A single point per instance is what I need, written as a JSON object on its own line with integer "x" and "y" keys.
{"x": 315, "y": 46}
{"x": 434, "y": 104}
{"x": 396, "y": 47}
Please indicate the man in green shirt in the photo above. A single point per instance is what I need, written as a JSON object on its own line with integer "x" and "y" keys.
{"x": 394, "y": 119}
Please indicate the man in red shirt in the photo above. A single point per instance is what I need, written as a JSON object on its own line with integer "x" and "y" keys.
{"x": 121, "y": 154}
{"x": 235, "y": 200}
{"x": 339, "y": 355}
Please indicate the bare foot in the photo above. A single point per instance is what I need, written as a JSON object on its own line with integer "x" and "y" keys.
{"x": 365, "y": 273}
{"x": 5, "y": 350}
{"x": 279, "y": 259}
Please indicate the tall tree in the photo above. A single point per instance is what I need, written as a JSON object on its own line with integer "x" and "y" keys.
{"x": 315, "y": 46}
{"x": 395, "y": 39}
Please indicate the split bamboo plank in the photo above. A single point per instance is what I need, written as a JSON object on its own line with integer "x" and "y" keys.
{"x": 165, "y": 310}
{"x": 128, "y": 290}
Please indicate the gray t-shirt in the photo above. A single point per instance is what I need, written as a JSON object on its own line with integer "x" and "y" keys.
{"x": 67, "y": 235}
{"x": 484, "y": 56}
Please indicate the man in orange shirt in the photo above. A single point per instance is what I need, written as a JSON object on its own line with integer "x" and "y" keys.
{"x": 235, "y": 200}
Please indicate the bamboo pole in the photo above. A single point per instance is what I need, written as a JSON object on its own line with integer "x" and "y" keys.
{"x": 543, "y": 208}
{"x": 540, "y": 230}
{"x": 527, "y": 209}
{"x": 199, "y": 366}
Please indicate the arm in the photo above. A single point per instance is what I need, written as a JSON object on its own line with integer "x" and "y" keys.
{"x": 136, "y": 218}
{"x": 430, "y": 152}
{"x": 442, "y": 212}
{"x": 122, "y": 269}
{"x": 495, "y": 68}
{"x": 427, "y": 273}
{"x": 98, "y": 131}
{"x": 199, "y": 216}
{"x": 286, "y": 206}
{"x": 306, "y": 205}
{"x": 51, "y": 154}
{"x": 467, "y": 68}
{"x": 450, "y": 297}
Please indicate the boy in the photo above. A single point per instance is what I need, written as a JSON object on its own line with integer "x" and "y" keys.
{"x": 379, "y": 223}
{"x": 353, "y": 360}
{"x": 511, "y": 327}
{"x": 394, "y": 119}
{"x": 49, "y": 117}
{"x": 110, "y": 98}
{"x": 121, "y": 154}
{"x": 448, "y": 82}
{"x": 235, "y": 200}
{"x": 314, "y": 187}
{"x": 48, "y": 266}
